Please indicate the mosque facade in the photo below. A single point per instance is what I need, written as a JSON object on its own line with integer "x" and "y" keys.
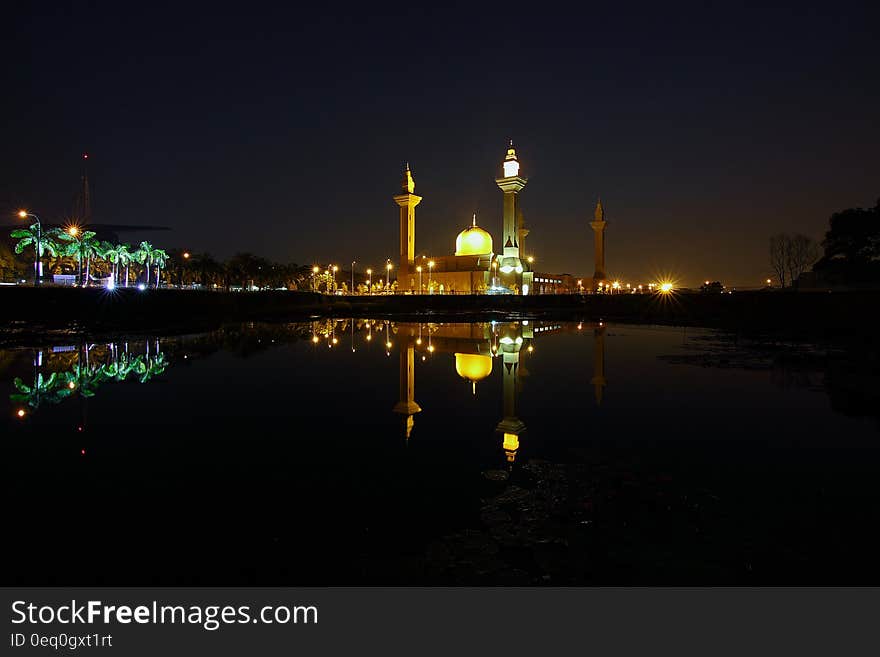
{"x": 478, "y": 264}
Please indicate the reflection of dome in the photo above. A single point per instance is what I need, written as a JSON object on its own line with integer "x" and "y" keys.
{"x": 473, "y": 367}
{"x": 473, "y": 240}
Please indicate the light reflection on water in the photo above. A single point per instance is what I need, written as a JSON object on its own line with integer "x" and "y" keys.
{"x": 392, "y": 431}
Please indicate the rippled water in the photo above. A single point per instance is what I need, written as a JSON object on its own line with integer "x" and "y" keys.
{"x": 356, "y": 451}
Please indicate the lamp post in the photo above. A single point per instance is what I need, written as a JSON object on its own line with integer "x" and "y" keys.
{"x": 430, "y": 270}
{"x": 388, "y": 267}
{"x": 370, "y": 284}
{"x": 73, "y": 231}
{"x": 38, "y": 247}
{"x": 353, "y": 263}
{"x": 315, "y": 271}
{"x": 494, "y": 273}
{"x": 335, "y": 269}
{"x": 419, "y": 269}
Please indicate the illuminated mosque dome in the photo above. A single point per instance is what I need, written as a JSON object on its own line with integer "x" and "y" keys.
{"x": 473, "y": 367}
{"x": 473, "y": 240}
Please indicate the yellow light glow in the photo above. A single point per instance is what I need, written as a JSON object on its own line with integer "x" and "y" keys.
{"x": 473, "y": 367}
{"x": 316, "y": 269}
{"x": 71, "y": 385}
{"x": 511, "y": 442}
{"x": 22, "y": 213}
{"x": 531, "y": 259}
{"x": 430, "y": 263}
{"x": 473, "y": 240}
{"x": 20, "y": 412}
{"x": 186, "y": 255}
{"x": 431, "y": 348}
{"x": 511, "y": 168}
{"x": 389, "y": 266}
{"x": 531, "y": 348}
{"x": 666, "y": 288}
{"x": 315, "y": 339}
{"x": 418, "y": 341}
{"x": 369, "y": 272}
{"x": 419, "y": 269}
{"x": 335, "y": 340}
{"x": 73, "y": 231}
{"x": 369, "y": 337}
{"x": 388, "y": 345}
{"x": 335, "y": 269}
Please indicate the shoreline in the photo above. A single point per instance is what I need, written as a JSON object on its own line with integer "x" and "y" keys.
{"x": 28, "y": 312}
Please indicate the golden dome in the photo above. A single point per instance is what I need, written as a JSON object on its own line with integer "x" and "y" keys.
{"x": 473, "y": 240}
{"x": 473, "y": 367}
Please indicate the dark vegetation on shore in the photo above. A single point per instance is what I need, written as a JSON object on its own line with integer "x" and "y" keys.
{"x": 795, "y": 315}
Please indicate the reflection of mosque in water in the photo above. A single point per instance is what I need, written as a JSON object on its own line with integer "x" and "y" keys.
{"x": 475, "y": 348}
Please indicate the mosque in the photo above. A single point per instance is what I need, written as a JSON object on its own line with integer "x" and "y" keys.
{"x": 476, "y": 267}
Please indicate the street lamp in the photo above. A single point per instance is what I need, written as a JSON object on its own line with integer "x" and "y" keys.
{"x": 315, "y": 271}
{"x": 430, "y": 269}
{"x": 38, "y": 246}
{"x": 419, "y": 269}
{"x": 73, "y": 231}
{"x": 353, "y": 263}
{"x": 389, "y": 266}
{"x": 335, "y": 269}
{"x": 370, "y": 274}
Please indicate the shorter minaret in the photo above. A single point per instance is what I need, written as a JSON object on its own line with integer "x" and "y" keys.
{"x": 598, "y": 225}
{"x": 407, "y": 202}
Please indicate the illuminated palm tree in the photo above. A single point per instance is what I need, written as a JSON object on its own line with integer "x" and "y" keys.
{"x": 160, "y": 258}
{"x": 144, "y": 256}
{"x": 125, "y": 257}
{"x": 83, "y": 246}
{"x": 43, "y": 242}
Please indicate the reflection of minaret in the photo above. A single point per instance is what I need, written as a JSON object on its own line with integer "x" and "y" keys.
{"x": 598, "y": 380}
{"x": 407, "y": 202}
{"x": 511, "y": 426}
{"x": 82, "y": 210}
{"x": 407, "y": 405}
{"x": 598, "y": 226}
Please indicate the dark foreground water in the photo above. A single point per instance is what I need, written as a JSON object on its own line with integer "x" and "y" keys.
{"x": 341, "y": 452}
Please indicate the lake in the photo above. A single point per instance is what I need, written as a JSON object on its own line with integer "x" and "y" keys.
{"x": 382, "y": 452}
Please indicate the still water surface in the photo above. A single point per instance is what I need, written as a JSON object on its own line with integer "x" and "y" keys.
{"x": 358, "y": 451}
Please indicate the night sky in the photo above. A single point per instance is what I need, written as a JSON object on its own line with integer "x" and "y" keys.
{"x": 283, "y": 131}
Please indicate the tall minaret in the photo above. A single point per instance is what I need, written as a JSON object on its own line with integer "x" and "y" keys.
{"x": 511, "y": 184}
{"x": 407, "y": 202}
{"x": 598, "y": 225}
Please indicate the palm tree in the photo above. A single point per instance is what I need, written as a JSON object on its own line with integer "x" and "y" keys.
{"x": 125, "y": 257}
{"x": 81, "y": 245}
{"x": 144, "y": 256}
{"x": 160, "y": 258}
{"x": 110, "y": 253}
{"x": 41, "y": 241}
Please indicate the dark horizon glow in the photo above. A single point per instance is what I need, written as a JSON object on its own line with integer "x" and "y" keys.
{"x": 284, "y": 131}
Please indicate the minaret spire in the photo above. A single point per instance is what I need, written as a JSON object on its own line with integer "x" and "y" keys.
{"x": 475, "y": 220}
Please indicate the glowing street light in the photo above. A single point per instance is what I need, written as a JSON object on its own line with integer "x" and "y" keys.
{"x": 353, "y": 263}
{"x": 665, "y": 288}
{"x": 370, "y": 274}
{"x": 389, "y": 266}
{"x": 24, "y": 214}
{"x": 419, "y": 269}
{"x": 430, "y": 270}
